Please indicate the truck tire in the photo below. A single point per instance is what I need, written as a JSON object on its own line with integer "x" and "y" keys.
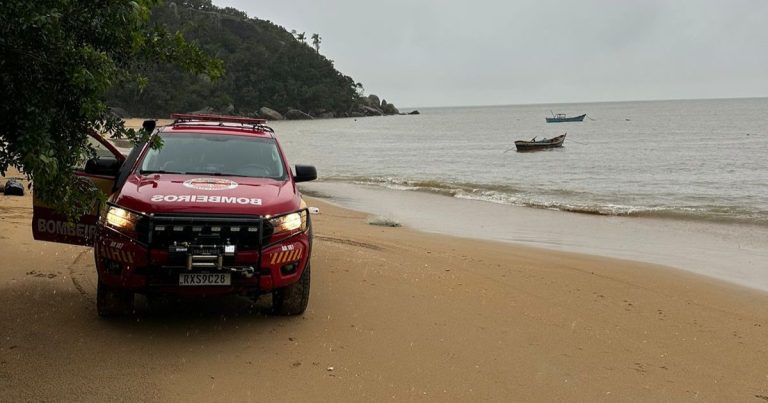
{"x": 111, "y": 302}
{"x": 293, "y": 299}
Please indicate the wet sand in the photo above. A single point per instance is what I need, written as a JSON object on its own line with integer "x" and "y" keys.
{"x": 394, "y": 314}
{"x": 735, "y": 253}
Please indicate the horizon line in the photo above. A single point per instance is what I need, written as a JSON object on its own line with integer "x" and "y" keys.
{"x": 582, "y": 102}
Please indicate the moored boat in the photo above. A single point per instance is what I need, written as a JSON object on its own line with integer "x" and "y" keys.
{"x": 533, "y": 144}
{"x": 561, "y": 117}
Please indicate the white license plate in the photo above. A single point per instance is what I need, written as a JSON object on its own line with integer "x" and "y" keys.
{"x": 199, "y": 279}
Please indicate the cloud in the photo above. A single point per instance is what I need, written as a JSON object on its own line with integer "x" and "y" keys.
{"x": 425, "y": 53}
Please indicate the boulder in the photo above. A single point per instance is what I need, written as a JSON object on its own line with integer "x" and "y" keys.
{"x": 389, "y": 109}
{"x": 205, "y": 111}
{"x": 270, "y": 114}
{"x": 413, "y": 112}
{"x": 327, "y": 115}
{"x": 229, "y": 109}
{"x": 355, "y": 115}
{"x": 370, "y": 111}
{"x": 295, "y": 114}
{"x": 371, "y": 101}
{"x": 119, "y": 112}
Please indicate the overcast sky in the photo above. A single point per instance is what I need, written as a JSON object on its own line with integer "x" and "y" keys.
{"x": 494, "y": 52}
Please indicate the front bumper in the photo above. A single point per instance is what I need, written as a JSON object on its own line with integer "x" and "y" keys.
{"x": 255, "y": 261}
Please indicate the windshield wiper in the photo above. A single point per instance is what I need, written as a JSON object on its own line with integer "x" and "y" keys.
{"x": 214, "y": 174}
{"x": 157, "y": 171}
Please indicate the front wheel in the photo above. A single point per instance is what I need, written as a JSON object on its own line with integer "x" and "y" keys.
{"x": 111, "y": 302}
{"x": 293, "y": 299}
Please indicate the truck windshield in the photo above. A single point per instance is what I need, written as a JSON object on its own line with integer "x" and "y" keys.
{"x": 212, "y": 154}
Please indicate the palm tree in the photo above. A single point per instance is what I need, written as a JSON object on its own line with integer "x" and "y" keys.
{"x": 316, "y": 41}
{"x": 301, "y": 37}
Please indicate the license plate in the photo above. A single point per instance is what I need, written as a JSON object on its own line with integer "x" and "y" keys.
{"x": 199, "y": 279}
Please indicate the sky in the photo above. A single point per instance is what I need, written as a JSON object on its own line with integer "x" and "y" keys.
{"x": 420, "y": 53}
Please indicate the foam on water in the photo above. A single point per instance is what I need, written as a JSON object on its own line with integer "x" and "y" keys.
{"x": 734, "y": 253}
{"x": 682, "y": 183}
{"x": 565, "y": 201}
{"x": 695, "y": 160}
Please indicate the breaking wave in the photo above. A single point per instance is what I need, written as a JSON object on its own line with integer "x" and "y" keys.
{"x": 563, "y": 200}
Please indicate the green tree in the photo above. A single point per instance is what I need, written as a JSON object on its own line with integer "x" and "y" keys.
{"x": 316, "y": 42}
{"x": 266, "y": 65}
{"x": 302, "y": 37}
{"x": 58, "y": 58}
{"x": 204, "y": 5}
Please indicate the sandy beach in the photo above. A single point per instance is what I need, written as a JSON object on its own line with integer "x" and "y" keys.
{"x": 394, "y": 314}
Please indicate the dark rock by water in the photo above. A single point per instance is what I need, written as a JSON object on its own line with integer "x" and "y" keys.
{"x": 295, "y": 114}
{"x": 370, "y": 111}
{"x": 389, "y": 109}
{"x": 270, "y": 114}
{"x": 371, "y": 101}
{"x": 119, "y": 112}
{"x": 206, "y": 110}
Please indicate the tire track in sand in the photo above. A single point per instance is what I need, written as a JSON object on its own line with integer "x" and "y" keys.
{"x": 79, "y": 277}
{"x": 348, "y": 242}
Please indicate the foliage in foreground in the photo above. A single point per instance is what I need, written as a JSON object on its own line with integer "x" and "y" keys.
{"x": 58, "y": 58}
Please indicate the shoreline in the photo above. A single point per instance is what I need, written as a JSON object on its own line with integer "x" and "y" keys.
{"x": 466, "y": 192}
{"x": 735, "y": 253}
{"x": 393, "y": 313}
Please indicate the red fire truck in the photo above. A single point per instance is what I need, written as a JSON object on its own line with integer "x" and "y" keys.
{"x": 214, "y": 211}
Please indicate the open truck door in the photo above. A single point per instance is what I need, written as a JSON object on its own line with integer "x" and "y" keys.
{"x": 101, "y": 171}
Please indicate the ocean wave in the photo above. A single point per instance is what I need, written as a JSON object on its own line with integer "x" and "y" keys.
{"x": 562, "y": 200}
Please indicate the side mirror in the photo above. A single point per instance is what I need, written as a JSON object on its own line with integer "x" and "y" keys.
{"x": 102, "y": 166}
{"x": 305, "y": 173}
{"x": 149, "y": 125}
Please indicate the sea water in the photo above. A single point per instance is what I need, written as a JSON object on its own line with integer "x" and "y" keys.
{"x": 637, "y": 171}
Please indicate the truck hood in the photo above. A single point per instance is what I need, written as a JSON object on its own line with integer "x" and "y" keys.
{"x": 193, "y": 194}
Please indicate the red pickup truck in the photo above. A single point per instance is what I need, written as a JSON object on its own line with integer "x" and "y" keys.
{"x": 214, "y": 211}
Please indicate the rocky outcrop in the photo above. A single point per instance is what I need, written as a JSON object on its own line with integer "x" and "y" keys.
{"x": 205, "y": 111}
{"x": 372, "y": 106}
{"x": 369, "y": 105}
{"x": 270, "y": 114}
{"x": 413, "y": 112}
{"x": 295, "y": 114}
{"x": 119, "y": 112}
{"x": 389, "y": 109}
{"x": 370, "y": 111}
{"x": 208, "y": 110}
{"x": 371, "y": 101}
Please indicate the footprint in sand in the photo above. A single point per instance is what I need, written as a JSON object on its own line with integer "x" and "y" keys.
{"x": 35, "y": 273}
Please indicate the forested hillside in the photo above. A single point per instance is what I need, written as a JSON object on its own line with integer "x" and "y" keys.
{"x": 266, "y": 66}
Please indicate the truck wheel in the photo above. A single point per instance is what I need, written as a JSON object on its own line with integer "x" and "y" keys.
{"x": 111, "y": 302}
{"x": 293, "y": 299}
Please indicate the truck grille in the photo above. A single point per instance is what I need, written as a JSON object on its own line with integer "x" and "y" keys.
{"x": 243, "y": 232}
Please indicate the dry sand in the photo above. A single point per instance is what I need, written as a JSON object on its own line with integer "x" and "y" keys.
{"x": 394, "y": 315}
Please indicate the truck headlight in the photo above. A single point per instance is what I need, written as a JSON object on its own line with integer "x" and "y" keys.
{"x": 290, "y": 222}
{"x": 122, "y": 220}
